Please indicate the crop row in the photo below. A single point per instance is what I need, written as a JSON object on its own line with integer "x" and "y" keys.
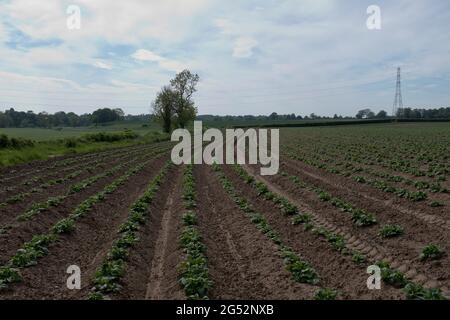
{"x": 414, "y": 196}
{"x": 53, "y": 202}
{"x": 360, "y": 217}
{"x": 301, "y": 271}
{"x": 39, "y": 245}
{"x": 346, "y": 168}
{"x": 109, "y": 274}
{"x": 422, "y": 151}
{"x": 88, "y": 167}
{"x": 85, "y": 166}
{"x": 61, "y": 163}
{"x": 338, "y": 243}
{"x": 23, "y": 195}
{"x": 194, "y": 275}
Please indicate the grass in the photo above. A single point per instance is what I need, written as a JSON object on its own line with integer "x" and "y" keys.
{"x": 42, "y": 134}
{"x": 47, "y": 149}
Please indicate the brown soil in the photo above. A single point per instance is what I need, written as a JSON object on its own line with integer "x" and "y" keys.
{"x": 335, "y": 270}
{"x": 243, "y": 263}
{"x": 403, "y": 251}
{"x": 13, "y": 188}
{"x": 152, "y": 267}
{"x": 21, "y": 232}
{"x": 85, "y": 247}
{"x": 421, "y": 210}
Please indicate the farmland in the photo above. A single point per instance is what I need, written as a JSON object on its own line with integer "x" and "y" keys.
{"x": 140, "y": 227}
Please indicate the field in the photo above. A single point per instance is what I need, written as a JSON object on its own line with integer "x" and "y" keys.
{"x": 140, "y": 227}
{"x": 49, "y": 143}
{"x": 42, "y": 134}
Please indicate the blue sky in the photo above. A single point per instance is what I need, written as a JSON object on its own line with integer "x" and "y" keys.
{"x": 253, "y": 57}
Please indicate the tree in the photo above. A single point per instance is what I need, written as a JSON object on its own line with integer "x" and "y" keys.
{"x": 119, "y": 113}
{"x": 381, "y": 115}
{"x": 273, "y": 116}
{"x": 164, "y": 107}
{"x": 364, "y": 114}
{"x": 104, "y": 115}
{"x": 184, "y": 85}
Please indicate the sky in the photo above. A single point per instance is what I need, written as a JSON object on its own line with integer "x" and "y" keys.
{"x": 252, "y": 56}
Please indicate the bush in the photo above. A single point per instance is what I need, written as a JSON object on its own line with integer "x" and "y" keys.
{"x": 70, "y": 143}
{"x": 110, "y": 137}
{"x": 14, "y": 143}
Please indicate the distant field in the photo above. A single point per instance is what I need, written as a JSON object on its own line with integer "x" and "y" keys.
{"x": 41, "y": 134}
{"x": 220, "y": 123}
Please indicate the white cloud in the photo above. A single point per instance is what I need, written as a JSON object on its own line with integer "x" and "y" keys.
{"x": 102, "y": 65}
{"x": 243, "y": 47}
{"x": 300, "y": 44}
{"x": 146, "y": 55}
{"x": 167, "y": 64}
{"x": 115, "y": 21}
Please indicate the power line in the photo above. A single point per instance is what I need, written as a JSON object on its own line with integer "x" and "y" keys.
{"x": 398, "y": 101}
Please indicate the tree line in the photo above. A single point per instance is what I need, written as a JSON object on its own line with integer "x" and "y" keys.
{"x": 20, "y": 119}
{"x": 408, "y": 113}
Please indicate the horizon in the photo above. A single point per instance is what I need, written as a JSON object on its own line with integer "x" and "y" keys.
{"x": 253, "y": 58}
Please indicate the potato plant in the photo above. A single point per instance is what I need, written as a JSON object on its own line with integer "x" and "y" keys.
{"x": 108, "y": 275}
{"x": 194, "y": 274}
{"x": 29, "y": 254}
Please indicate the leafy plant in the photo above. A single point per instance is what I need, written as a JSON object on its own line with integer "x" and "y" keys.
{"x": 431, "y": 252}
{"x": 391, "y": 276}
{"x": 417, "y": 292}
{"x": 64, "y": 226}
{"x": 8, "y": 275}
{"x": 324, "y": 196}
{"x": 358, "y": 258}
{"x": 390, "y": 231}
{"x": 362, "y": 218}
{"x": 436, "y": 204}
{"x": 31, "y": 251}
{"x": 287, "y": 207}
{"x": 301, "y": 271}
{"x": 106, "y": 277}
{"x": 189, "y": 218}
{"x": 325, "y": 294}
{"x": 301, "y": 219}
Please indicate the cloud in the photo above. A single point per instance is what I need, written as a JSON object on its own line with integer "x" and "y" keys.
{"x": 146, "y": 55}
{"x": 243, "y": 47}
{"x": 167, "y": 64}
{"x": 102, "y": 65}
{"x": 250, "y": 56}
